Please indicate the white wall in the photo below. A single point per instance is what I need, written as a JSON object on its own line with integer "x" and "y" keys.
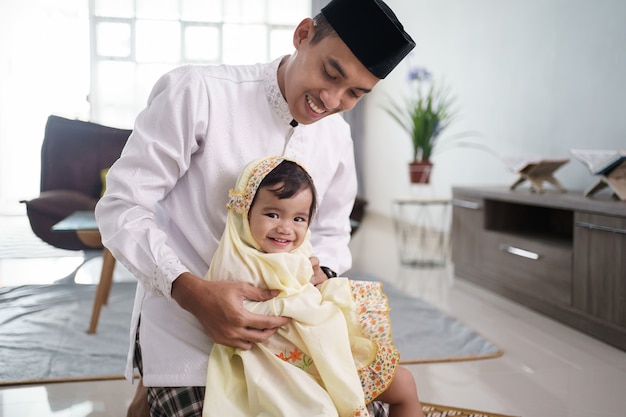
{"x": 534, "y": 77}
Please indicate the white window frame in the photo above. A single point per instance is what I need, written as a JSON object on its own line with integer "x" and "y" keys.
{"x": 130, "y": 105}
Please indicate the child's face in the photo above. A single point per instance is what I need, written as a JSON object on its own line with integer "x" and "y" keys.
{"x": 280, "y": 225}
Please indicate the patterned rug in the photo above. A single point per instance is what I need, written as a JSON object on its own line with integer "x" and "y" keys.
{"x": 434, "y": 410}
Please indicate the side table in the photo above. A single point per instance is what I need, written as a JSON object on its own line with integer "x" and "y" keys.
{"x": 85, "y": 226}
{"x": 422, "y": 230}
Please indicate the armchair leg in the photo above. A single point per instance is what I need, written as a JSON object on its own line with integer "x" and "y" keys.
{"x": 103, "y": 289}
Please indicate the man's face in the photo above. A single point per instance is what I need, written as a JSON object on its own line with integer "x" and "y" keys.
{"x": 322, "y": 79}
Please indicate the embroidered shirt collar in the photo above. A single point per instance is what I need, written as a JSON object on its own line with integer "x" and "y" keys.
{"x": 273, "y": 94}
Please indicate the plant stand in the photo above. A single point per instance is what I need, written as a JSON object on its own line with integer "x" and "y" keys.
{"x": 422, "y": 230}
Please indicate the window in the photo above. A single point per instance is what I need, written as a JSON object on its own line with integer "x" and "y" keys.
{"x": 134, "y": 42}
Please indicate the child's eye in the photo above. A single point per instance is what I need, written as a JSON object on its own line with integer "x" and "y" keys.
{"x": 300, "y": 219}
{"x": 272, "y": 215}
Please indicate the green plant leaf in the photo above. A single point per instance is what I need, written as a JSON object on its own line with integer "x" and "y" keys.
{"x": 423, "y": 115}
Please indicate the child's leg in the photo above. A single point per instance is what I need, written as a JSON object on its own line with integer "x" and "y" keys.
{"x": 402, "y": 395}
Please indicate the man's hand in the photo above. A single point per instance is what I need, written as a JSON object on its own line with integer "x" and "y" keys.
{"x": 219, "y": 308}
{"x": 318, "y": 275}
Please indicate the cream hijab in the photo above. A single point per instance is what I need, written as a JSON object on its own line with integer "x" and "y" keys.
{"x": 310, "y": 366}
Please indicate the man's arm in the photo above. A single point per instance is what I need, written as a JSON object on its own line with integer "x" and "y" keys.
{"x": 158, "y": 153}
{"x": 219, "y": 307}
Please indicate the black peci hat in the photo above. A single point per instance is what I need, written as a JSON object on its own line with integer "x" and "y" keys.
{"x": 372, "y": 32}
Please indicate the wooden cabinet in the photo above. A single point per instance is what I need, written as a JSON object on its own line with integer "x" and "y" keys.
{"x": 563, "y": 255}
{"x": 600, "y": 267}
{"x": 467, "y": 221}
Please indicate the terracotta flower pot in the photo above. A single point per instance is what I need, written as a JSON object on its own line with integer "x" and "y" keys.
{"x": 420, "y": 172}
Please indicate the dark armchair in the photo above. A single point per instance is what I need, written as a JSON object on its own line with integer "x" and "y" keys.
{"x": 73, "y": 155}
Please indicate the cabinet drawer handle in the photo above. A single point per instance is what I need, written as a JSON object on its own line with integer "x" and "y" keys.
{"x": 592, "y": 226}
{"x": 466, "y": 204}
{"x": 518, "y": 252}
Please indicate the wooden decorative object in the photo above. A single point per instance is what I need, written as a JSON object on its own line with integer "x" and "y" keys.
{"x": 538, "y": 172}
{"x": 615, "y": 180}
{"x": 609, "y": 166}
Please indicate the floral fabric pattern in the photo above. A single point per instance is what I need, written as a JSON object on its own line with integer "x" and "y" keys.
{"x": 240, "y": 201}
{"x": 297, "y": 358}
{"x": 376, "y": 325}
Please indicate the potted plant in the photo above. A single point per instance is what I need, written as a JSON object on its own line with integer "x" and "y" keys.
{"x": 424, "y": 115}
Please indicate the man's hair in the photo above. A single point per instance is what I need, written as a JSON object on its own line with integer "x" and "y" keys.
{"x": 323, "y": 29}
{"x": 292, "y": 179}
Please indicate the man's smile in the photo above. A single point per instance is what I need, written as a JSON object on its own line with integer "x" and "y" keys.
{"x": 313, "y": 106}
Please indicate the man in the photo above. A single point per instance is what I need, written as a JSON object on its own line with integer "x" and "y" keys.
{"x": 164, "y": 209}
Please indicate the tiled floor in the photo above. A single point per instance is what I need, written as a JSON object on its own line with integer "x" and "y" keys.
{"x": 547, "y": 369}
